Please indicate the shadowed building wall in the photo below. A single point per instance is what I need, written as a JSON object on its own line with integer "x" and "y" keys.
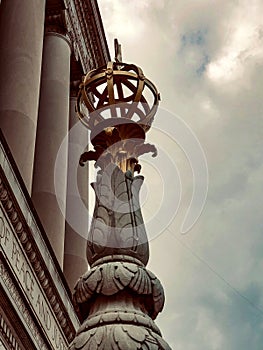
{"x": 45, "y": 46}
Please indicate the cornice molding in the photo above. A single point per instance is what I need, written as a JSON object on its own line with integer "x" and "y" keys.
{"x": 8, "y": 335}
{"x": 34, "y": 255}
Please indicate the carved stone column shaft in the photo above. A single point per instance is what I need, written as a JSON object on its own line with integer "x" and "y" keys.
{"x": 21, "y": 42}
{"x": 75, "y": 262}
{"x": 52, "y": 129}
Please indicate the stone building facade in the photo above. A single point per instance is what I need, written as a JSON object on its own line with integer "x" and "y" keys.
{"x": 45, "y": 49}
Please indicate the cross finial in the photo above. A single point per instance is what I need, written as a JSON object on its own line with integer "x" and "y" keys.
{"x": 117, "y": 48}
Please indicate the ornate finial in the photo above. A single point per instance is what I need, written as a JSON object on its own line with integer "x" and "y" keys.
{"x": 117, "y": 103}
{"x": 117, "y": 91}
{"x": 118, "y": 298}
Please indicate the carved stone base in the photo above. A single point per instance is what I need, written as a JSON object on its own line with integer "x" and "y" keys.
{"x": 131, "y": 283}
{"x": 118, "y": 301}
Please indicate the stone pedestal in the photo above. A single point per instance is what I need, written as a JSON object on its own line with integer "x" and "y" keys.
{"x": 21, "y": 42}
{"x": 118, "y": 298}
{"x": 51, "y": 130}
{"x": 75, "y": 262}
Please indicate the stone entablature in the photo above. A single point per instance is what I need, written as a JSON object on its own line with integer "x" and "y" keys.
{"x": 88, "y": 32}
{"x": 28, "y": 255}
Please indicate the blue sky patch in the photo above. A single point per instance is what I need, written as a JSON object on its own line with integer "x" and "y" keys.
{"x": 201, "y": 69}
{"x": 197, "y": 37}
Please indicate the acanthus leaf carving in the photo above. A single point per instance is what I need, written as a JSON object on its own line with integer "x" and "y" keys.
{"x": 119, "y": 337}
{"x": 111, "y": 278}
{"x": 117, "y": 226}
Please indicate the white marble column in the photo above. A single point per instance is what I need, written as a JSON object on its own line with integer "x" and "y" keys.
{"x": 52, "y": 128}
{"x": 75, "y": 260}
{"x": 21, "y": 43}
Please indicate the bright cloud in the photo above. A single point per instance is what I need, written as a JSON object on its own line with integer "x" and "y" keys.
{"x": 243, "y": 44}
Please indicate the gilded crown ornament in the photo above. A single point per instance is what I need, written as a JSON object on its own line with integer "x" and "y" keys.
{"x": 117, "y": 103}
{"x": 118, "y": 298}
{"x": 117, "y": 90}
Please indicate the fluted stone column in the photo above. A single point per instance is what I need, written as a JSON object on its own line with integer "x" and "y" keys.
{"x": 75, "y": 261}
{"x": 21, "y": 43}
{"x": 51, "y": 130}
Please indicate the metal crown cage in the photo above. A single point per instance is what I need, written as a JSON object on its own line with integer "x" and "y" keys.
{"x": 117, "y": 90}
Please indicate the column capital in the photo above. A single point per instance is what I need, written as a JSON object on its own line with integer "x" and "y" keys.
{"x": 57, "y": 23}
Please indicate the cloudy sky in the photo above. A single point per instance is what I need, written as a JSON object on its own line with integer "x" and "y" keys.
{"x": 206, "y": 58}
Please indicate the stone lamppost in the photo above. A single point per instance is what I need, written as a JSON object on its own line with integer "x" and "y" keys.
{"x": 118, "y": 298}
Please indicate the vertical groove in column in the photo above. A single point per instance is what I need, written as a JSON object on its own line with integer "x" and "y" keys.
{"x": 52, "y": 128}
{"x": 21, "y": 43}
{"x": 76, "y": 231}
